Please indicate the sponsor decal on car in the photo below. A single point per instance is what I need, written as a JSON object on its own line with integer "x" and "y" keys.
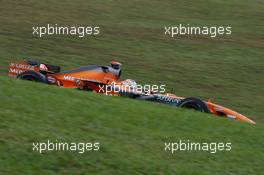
{"x": 22, "y": 66}
{"x": 69, "y": 78}
{"x": 168, "y": 99}
{"x": 16, "y": 71}
{"x": 231, "y": 116}
{"x": 51, "y": 79}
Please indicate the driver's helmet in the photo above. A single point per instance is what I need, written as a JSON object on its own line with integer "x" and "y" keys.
{"x": 43, "y": 67}
{"x": 130, "y": 83}
{"x": 115, "y": 64}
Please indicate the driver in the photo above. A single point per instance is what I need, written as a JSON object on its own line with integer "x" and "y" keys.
{"x": 43, "y": 67}
{"x": 116, "y": 65}
{"x": 115, "y": 68}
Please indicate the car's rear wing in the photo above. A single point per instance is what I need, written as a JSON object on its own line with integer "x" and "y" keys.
{"x": 16, "y": 68}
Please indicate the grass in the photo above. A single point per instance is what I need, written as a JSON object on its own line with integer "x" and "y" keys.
{"x": 228, "y": 69}
{"x": 131, "y": 143}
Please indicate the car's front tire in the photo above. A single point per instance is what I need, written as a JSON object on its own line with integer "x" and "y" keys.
{"x": 194, "y": 103}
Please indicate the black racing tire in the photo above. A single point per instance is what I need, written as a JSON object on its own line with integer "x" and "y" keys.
{"x": 194, "y": 103}
{"x": 33, "y": 76}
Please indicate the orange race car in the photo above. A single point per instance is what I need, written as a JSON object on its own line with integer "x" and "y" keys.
{"x": 105, "y": 79}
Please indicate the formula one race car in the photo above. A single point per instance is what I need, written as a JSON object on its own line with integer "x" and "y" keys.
{"x": 105, "y": 79}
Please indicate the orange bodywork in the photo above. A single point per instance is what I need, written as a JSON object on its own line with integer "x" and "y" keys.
{"x": 226, "y": 112}
{"x": 66, "y": 79}
{"x": 219, "y": 110}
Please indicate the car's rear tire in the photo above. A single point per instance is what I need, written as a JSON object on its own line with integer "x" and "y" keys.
{"x": 194, "y": 103}
{"x": 32, "y": 76}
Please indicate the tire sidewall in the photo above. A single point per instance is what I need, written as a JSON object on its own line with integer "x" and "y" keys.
{"x": 195, "y": 102}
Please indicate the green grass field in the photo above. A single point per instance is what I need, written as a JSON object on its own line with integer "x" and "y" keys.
{"x": 228, "y": 69}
